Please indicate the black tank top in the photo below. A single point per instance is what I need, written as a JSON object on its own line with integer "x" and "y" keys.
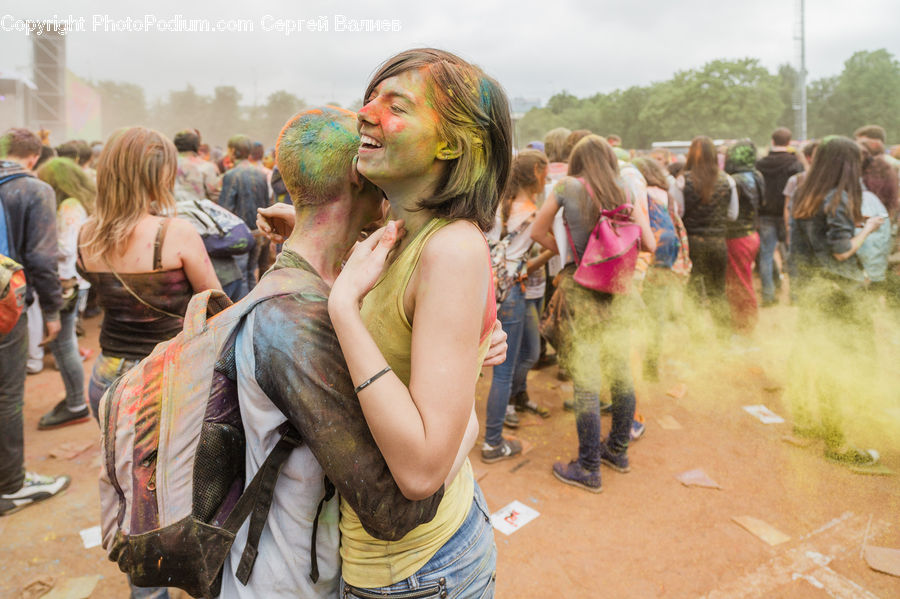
{"x": 131, "y": 328}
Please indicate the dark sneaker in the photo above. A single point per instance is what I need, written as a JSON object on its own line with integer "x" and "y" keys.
{"x": 616, "y": 461}
{"x": 61, "y": 415}
{"x": 569, "y": 405}
{"x": 36, "y": 488}
{"x": 573, "y": 474}
{"x": 512, "y": 419}
{"x": 507, "y": 448}
{"x": 523, "y": 403}
{"x": 544, "y": 361}
{"x": 563, "y": 375}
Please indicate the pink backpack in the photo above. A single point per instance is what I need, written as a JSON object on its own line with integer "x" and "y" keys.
{"x": 611, "y": 253}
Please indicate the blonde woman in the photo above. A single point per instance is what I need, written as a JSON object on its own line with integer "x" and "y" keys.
{"x": 145, "y": 267}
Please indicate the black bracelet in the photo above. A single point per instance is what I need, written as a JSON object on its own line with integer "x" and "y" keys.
{"x": 368, "y": 382}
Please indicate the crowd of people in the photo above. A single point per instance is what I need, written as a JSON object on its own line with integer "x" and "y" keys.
{"x": 434, "y": 250}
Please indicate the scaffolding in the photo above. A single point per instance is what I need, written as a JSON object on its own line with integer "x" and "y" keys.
{"x": 47, "y": 108}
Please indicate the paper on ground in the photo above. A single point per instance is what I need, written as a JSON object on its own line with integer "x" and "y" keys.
{"x": 883, "y": 559}
{"x": 513, "y": 517}
{"x": 678, "y": 391}
{"x": 90, "y": 536}
{"x": 74, "y": 588}
{"x": 668, "y": 423}
{"x": 697, "y": 478}
{"x": 762, "y": 530}
{"x": 764, "y": 414}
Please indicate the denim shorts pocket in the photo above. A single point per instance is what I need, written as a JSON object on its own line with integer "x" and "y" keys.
{"x": 481, "y": 503}
{"x": 427, "y": 591}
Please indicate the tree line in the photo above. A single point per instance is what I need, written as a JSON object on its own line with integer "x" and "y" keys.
{"x": 723, "y": 99}
{"x": 731, "y": 99}
{"x": 217, "y": 116}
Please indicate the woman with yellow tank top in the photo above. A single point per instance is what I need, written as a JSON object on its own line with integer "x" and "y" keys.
{"x": 413, "y": 309}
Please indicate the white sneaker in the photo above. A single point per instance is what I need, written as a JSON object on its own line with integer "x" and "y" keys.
{"x": 36, "y": 488}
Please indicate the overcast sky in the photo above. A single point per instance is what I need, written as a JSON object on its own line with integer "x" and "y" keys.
{"x": 535, "y": 48}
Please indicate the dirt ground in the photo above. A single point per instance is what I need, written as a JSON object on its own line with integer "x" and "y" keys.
{"x": 645, "y": 535}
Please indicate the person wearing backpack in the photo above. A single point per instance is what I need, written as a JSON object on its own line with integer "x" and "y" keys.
{"x": 512, "y": 233}
{"x": 27, "y": 236}
{"x": 290, "y": 369}
{"x": 593, "y": 325}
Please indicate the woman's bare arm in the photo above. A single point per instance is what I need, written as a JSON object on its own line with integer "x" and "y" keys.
{"x": 419, "y": 429}
{"x": 543, "y": 223}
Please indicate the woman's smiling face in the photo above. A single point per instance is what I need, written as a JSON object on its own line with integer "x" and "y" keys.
{"x": 398, "y": 130}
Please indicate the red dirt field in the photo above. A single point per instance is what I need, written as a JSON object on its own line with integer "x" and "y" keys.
{"x": 645, "y": 535}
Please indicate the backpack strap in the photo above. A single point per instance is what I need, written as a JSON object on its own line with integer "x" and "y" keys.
{"x": 313, "y": 556}
{"x": 256, "y": 501}
{"x": 158, "y": 243}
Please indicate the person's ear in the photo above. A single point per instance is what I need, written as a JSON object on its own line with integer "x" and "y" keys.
{"x": 356, "y": 180}
{"x": 32, "y": 161}
{"x": 446, "y": 152}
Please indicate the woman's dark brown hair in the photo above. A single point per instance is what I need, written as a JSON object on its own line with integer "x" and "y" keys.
{"x": 837, "y": 166}
{"x": 593, "y": 160}
{"x": 474, "y": 118}
{"x": 703, "y": 164}
{"x": 521, "y": 177}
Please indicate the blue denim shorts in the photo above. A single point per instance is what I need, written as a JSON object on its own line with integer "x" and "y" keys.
{"x": 464, "y": 568}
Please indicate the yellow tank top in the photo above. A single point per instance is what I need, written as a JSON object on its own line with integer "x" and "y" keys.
{"x": 366, "y": 561}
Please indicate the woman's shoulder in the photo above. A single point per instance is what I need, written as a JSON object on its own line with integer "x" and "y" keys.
{"x": 460, "y": 233}
{"x": 568, "y": 187}
{"x": 459, "y": 243}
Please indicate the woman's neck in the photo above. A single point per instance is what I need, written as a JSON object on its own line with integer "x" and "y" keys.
{"x": 414, "y": 218}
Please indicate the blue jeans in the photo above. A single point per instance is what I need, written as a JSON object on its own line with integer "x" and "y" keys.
{"x": 68, "y": 360}
{"x": 769, "y": 229}
{"x": 610, "y": 353}
{"x": 13, "y": 357}
{"x": 530, "y": 347}
{"x": 106, "y": 370}
{"x": 512, "y": 318}
{"x": 464, "y": 568}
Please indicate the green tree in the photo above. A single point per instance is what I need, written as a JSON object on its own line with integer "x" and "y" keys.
{"x": 279, "y": 107}
{"x": 185, "y": 109}
{"x": 121, "y": 105}
{"x": 821, "y": 113}
{"x": 724, "y": 99}
{"x": 225, "y": 114}
{"x": 868, "y": 92}
{"x": 787, "y": 89}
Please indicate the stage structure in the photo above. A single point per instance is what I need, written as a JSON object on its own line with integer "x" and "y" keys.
{"x": 47, "y": 108}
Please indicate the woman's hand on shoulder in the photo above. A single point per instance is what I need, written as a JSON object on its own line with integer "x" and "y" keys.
{"x": 364, "y": 266}
{"x": 276, "y": 221}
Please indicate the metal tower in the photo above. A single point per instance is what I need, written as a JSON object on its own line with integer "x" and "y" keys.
{"x": 800, "y": 85}
{"x": 48, "y": 102}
